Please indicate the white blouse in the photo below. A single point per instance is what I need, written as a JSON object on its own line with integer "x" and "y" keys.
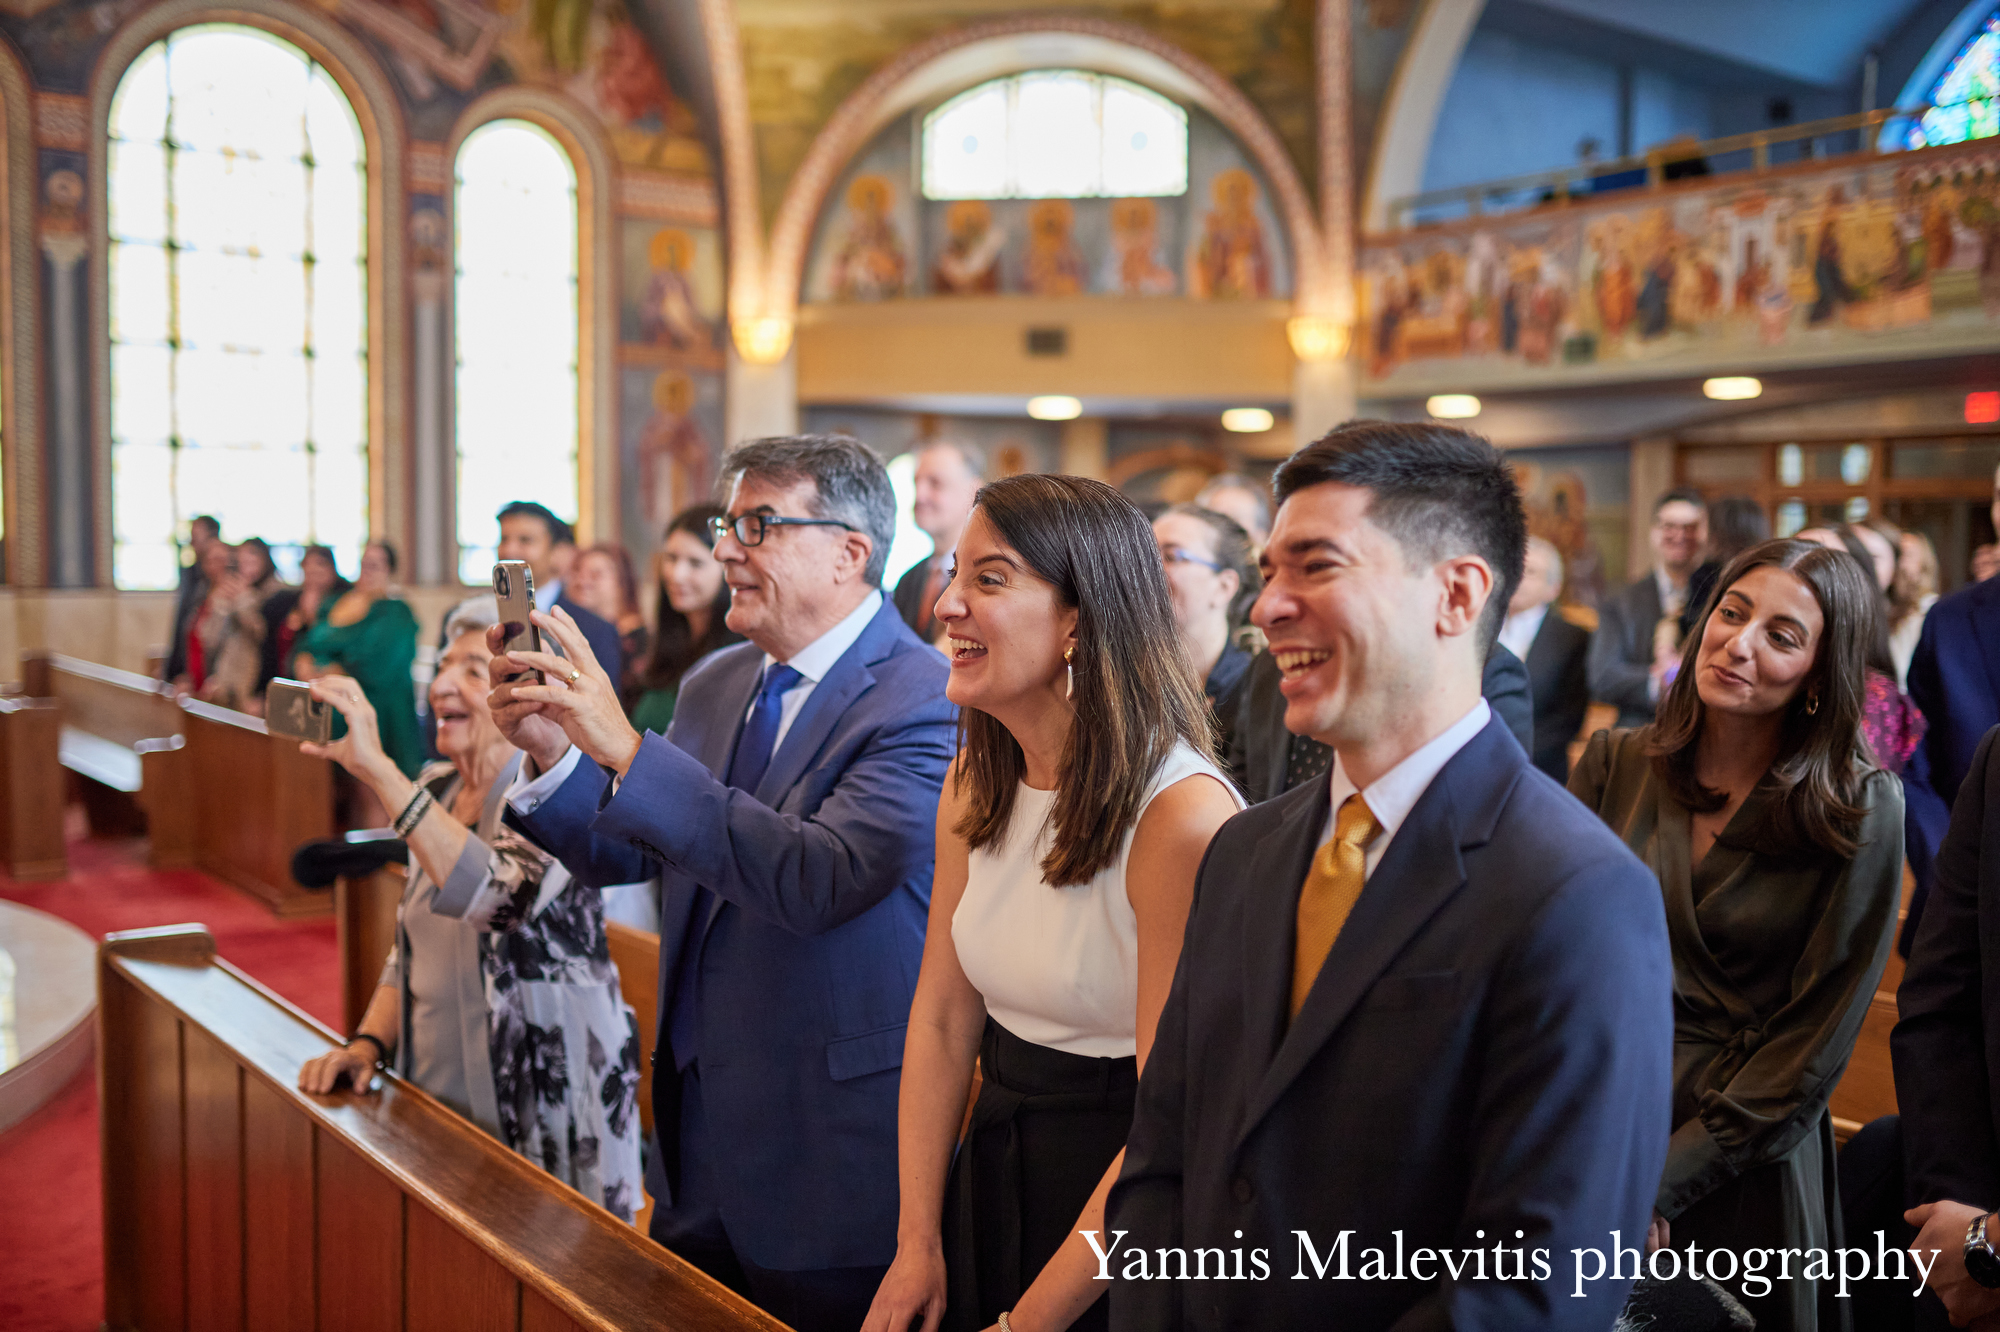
{"x": 1058, "y": 966}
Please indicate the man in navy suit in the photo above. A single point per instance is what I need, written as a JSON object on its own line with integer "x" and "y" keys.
{"x": 1955, "y": 682}
{"x": 531, "y": 533}
{"x": 790, "y": 811}
{"x": 1423, "y": 1017}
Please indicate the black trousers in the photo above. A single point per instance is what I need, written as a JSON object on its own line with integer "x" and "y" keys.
{"x": 1046, "y": 1126}
{"x": 834, "y": 1299}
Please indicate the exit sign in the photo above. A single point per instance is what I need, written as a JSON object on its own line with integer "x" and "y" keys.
{"x": 1982, "y": 408}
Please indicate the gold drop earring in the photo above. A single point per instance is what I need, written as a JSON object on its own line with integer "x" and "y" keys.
{"x": 1069, "y": 673}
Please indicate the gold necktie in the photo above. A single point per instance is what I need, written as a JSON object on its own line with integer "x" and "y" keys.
{"x": 1332, "y": 887}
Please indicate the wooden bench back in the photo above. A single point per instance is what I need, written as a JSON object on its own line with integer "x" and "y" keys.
{"x": 234, "y": 1200}
{"x": 257, "y": 800}
{"x": 637, "y": 955}
{"x": 120, "y": 706}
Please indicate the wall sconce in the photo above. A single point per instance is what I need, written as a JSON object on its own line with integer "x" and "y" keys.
{"x": 1317, "y": 337}
{"x": 763, "y": 340}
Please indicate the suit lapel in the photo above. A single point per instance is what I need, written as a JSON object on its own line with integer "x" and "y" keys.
{"x": 1985, "y": 617}
{"x": 1270, "y": 912}
{"x": 1421, "y": 871}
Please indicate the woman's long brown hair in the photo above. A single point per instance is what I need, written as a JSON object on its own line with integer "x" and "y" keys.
{"x": 1134, "y": 693}
{"x": 1822, "y": 759}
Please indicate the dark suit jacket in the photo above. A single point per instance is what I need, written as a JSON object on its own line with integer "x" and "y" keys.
{"x": 1488, "y": 1048}
{"x": 1558, "y": 681}
{"x": 1621, "y": 651}
{"x": 1955, "y": 682}
{"x": 808, "y": 954}
{"x": 1257, "y": 748}
{"x": 600, "y": 633}
{"x": 1946, "y": 1046}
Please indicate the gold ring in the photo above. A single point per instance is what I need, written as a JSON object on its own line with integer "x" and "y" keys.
{"x": 573, "y": 676}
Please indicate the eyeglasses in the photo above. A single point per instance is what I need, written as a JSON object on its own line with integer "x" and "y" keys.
{"x": 749, "y": 529}
{"x": 1175, "y": 555}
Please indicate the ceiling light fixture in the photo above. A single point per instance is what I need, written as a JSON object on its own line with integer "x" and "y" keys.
{"x": 1732, "y": 388}
{"x": 1248, "y": 420}
{"x": 1452, "y": 406}
{"x": 1054, "y": 407}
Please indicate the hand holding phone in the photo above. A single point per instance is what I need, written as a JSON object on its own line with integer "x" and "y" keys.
{"x": 514, "y": 594}
{"x": 290, "y": 710}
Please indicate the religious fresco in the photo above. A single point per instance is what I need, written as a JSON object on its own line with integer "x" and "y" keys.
{"x": 1895, "y": 255}
{"x": 878, "y": 238}
{"x": 671, "y": 289}
{"x": 670, "y": 444}
{"x": 1578, "y": 499}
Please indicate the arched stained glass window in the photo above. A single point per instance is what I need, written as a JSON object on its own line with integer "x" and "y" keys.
{"x": 1055, "y": 134}
{"x": 239, "y": 296}
{"x": 1965, "y": 104}
{"x": 517, "y": 329}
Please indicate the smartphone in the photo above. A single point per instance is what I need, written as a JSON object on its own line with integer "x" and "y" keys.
{"x": 514, "y": 593}
{"x": 291, "y": 711}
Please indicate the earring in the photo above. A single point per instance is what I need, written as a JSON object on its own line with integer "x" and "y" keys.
{"x": 1069, "y": 673}
{"x": 1812, "y": 704}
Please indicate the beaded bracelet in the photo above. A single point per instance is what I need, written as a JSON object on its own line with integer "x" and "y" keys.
{"x": 413, "y": 813}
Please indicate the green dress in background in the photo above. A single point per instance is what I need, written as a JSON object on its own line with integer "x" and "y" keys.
{"x": 378, "y": 650}
{"x": 654, "y": 709}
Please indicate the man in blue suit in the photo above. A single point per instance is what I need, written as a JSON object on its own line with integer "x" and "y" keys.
{"x": 1955, "y": 682}
{"x": 790, "y": 811}
{"x": 1423, "y": 1017}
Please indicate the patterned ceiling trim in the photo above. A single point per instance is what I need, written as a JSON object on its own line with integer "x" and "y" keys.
{"x": 20, "y": 375}
{"x": 744, "y": 213}
{"x": 859, "y": 117}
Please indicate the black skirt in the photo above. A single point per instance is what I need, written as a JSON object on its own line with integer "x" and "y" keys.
{"x": 1044, "y": 1129}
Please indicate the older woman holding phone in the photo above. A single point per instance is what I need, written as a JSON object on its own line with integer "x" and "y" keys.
{"x": 500, "y": 997}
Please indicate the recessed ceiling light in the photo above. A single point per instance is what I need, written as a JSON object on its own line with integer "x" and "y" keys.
{"x": 1732, "y": 388}
{"x": 1247, "y": 420}
{"x": 1452, "y": 406}
{"x": 1054, "y": 407}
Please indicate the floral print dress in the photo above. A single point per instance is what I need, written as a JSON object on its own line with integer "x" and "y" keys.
{"x": 511, "y": 1008}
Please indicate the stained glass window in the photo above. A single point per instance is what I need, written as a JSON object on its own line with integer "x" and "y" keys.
{"x": 517, "y": 332}
{"x": 1055, "y": 134}
{"x": 239, "y": 297}
{"x": 1965, "y": 104}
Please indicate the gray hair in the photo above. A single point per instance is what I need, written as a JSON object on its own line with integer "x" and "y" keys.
{"x": 850, "y": 484}
{"x": 474, "y": 615}
{"x": 1555, "y": 555}
{"x": 1238, "y": 481}
{"x": 971, "y": 455}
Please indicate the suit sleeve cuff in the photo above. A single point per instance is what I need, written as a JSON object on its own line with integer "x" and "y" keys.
{"x": 526, "y": 795}
{"x": 1696, "y": 1167}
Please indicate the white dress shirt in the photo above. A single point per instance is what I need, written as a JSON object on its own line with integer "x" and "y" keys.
{"x": 1392, "y": 796}
{"x": 812, "y": 662}
{"x": 545, "y": 597}
{"x": 1517, "y": 631}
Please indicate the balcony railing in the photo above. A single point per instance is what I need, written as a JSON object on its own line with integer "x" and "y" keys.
{"x": 1813, "y": 140}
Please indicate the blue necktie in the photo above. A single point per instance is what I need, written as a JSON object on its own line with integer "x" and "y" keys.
{"x": 760, "y": 732}
{"x": 746, "y": 768}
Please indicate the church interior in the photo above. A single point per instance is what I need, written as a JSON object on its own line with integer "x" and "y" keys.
{"x": 353, "y": 275}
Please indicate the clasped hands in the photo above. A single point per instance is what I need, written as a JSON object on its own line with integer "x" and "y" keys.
{"x": 578, "y": 705}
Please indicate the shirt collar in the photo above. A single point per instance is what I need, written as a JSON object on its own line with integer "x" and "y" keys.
{"x": 1392, "y": 796}
{"x": 816, "y": 658}
{"x": 547, "y": 596}
{"x": 1518, "y": 630}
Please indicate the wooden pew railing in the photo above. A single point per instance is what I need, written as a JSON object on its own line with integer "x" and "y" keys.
{"x": 31, "y": 789}
{"x": 119, "y": 742}
{"x": 1867, "y": 1090}
{"x": 233, "y": 1200}
{"x": 259, "y": 799}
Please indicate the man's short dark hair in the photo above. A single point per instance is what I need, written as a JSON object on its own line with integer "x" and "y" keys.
{"x": 205, "y": 520}
{"x": 1680, "y": 495}
{"x": 559, "y": 531}
{"x": 1436, "y": 490}
{"x": 849, "y": 480}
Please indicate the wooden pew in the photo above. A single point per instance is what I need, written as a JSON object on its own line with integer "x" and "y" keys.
{"x": 1867, "y": 1090}
{"x": 260, "y": 799}
{"x": 120, "y": 741}
{"x": 364, "y": 919}
{"x": 233, "y": 1200}
{"x": 636, "y": 953}
{"x": 31, "y": 789}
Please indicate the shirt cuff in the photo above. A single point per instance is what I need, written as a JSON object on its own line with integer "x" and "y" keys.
{"x": 526, "y": 796}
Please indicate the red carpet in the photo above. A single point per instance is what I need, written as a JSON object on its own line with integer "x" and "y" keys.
{"x": 51, "y": 1254}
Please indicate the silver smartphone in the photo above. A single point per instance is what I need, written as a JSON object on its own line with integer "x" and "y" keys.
{"x": 514, "y": 594}
{"x": 291, "y": 711}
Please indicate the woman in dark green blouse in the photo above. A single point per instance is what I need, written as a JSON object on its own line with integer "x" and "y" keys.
{"x": 371, "y": 634}
{"x": 692, "y": 603}
{"x": 1778, "y": 844}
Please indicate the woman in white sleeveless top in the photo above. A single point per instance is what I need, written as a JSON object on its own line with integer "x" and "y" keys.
{"x": 1068, "y": 836}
